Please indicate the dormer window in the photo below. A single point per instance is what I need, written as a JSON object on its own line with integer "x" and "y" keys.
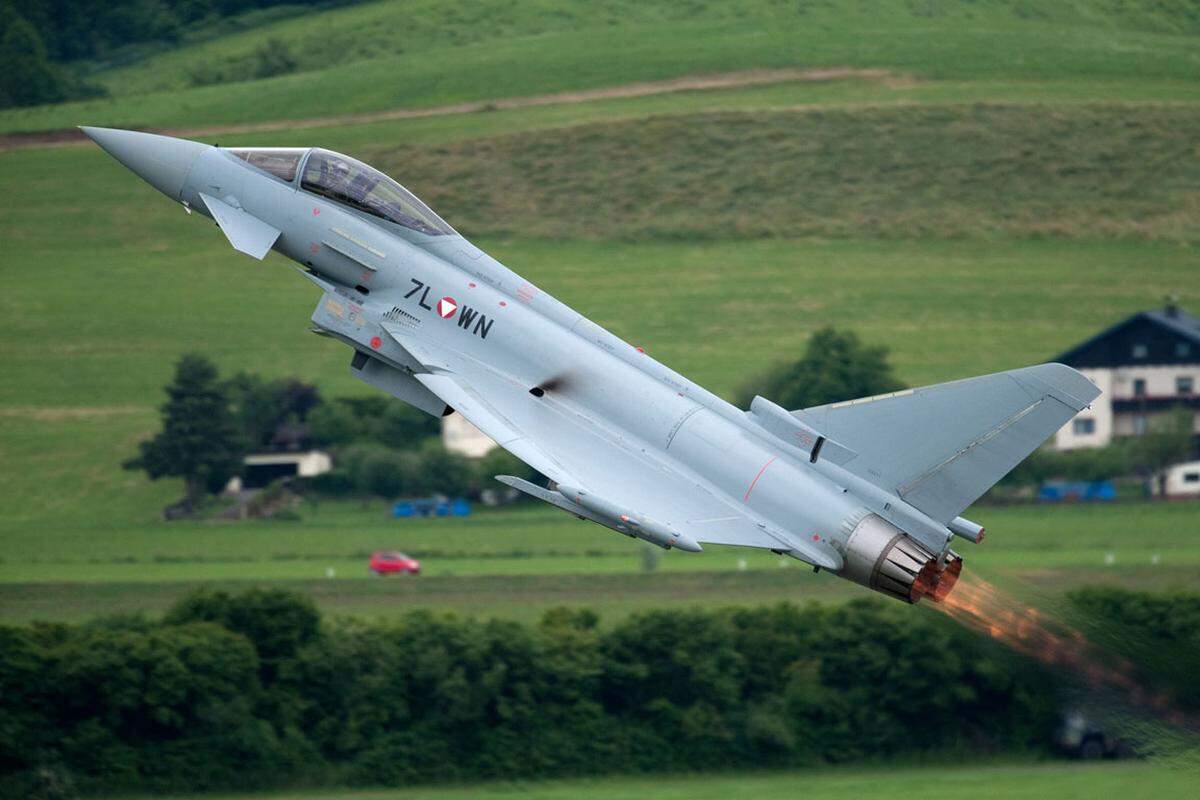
{"x": 1183, "y": 349}
{"x": 1139, "y": 351}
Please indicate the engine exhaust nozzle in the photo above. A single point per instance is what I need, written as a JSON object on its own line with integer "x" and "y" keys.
{"x": 882, "y": 557}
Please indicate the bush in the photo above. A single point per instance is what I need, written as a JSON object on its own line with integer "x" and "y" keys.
{"x": 836, "y": 366}
{"x": 273, "y": 57}
{"x": 250, "y": 690}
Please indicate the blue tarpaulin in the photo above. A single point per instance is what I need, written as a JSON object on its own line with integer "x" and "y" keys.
{"x": 1076, "y": 491}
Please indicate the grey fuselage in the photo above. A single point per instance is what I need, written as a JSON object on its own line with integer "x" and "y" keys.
{"x": 377, "y": 273}
{"x": 524, "y": 332}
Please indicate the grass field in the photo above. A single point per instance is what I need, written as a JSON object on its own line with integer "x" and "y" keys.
{"x": 519, "y": 563}
{"x": 383, "y": 55}
{"x": 1131, "y": 781}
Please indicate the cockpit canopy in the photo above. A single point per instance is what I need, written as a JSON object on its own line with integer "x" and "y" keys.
{"x": 353, "y": 183}
{"x": 349, "y": 182}
{"x": 279, "y": 161}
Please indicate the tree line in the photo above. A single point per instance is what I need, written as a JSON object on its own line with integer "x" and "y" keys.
{"x": 254, "y": 690}
{"x": 42, "y": 41}
{"x": 381, "y": 447}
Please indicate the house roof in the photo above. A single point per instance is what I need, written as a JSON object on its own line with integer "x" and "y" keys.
{"x": 1172, "y": 319}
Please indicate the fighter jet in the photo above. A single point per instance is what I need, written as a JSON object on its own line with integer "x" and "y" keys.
{"x": 870, "y": 490}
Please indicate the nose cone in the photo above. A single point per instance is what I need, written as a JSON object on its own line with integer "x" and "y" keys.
{"x": 161, "y": 161}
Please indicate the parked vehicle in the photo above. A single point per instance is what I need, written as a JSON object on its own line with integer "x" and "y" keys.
{"x": 393, "y": 562}
{"x": 430, "y": 507}
{"x": 1083, "y": 738}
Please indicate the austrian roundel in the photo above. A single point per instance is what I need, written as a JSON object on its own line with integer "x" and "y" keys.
{"x": 446, "y": 307}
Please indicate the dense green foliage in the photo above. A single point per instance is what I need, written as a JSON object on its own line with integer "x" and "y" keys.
{"x": 231, "y": 690}
{"x": 272, "y": 412}
{"x": 250, "y": 690}
{"x": 1159, "y": 634}
{"x": 374, "y": 419}
{"x": 96, "y": 29}
{"x": 1084, "y": 464}
{"x": 836, "y": 366}
{"x": 26, "y": 75}
{"x": 199, "y": 441}
{"x": 1169, "y": 441}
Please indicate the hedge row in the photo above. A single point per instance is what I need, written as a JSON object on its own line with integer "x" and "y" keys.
{"x": 253, "y": 691}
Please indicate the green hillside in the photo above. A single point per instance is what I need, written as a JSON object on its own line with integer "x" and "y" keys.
{"x": 913, "y": 172}
{"x": 389, "y": 54}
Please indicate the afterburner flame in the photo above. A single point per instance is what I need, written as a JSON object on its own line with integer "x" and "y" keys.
{"x": 979, "y": 605}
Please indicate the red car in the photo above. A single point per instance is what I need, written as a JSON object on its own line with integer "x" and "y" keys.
{"x": 393, "y": 562}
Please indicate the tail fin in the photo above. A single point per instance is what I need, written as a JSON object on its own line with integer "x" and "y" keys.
{"x": 940, "y": 447}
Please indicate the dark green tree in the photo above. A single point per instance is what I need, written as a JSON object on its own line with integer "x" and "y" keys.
{"x": 199, "y": 441}
{"x": 277, "y": 622}
{"x": 836, "y": 366}
{"x": 271, "y": 412}
{"x": 1168, "y": 442}
{"x": 27, "y": 77}
{"x": 332, "y": 424}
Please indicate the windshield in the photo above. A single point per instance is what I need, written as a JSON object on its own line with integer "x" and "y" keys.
{"x": 344, "y": 180}
{"x": 279, "y": 161}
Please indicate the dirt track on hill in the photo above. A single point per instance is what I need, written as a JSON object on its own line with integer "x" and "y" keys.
{"x": 728, "y": 80}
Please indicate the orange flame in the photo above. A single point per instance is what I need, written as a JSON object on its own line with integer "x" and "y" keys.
{"x": 977, "y": 604}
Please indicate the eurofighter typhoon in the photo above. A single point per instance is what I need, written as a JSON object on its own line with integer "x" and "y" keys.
{"x": 870, "y": 490}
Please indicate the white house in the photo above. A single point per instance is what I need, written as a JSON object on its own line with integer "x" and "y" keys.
{"x": 263, "y": 468}
{"x": 460, "y": 436}
{"x": 1145, "y": 366}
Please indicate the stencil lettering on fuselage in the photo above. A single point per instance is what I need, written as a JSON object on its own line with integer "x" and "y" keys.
{"x": 469, "y": 319}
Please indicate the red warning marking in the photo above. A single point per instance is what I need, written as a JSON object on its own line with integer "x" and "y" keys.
{"x": 446, "y": 307}
{"x": 640, "y": 350}
{"x": 470, "y": 286}
{"x": 314, "y": 248}
{"x": 503, "y": 304}
{"x": 376, "y": 342}
{"x": 316, "y": 211}
{"x": 756, "y": 477}
{"x": 816, "y": 537}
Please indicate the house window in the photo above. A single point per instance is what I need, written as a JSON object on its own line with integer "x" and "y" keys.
{"x": 1184, "y": 385}
{"x": 1183, "y": 349}
{"x": 1139, "y": 425}
{"x": 1191, "y": 477}
{"x": 1084, "y": 426}
{"x": 1139, "y": 387}
{"x": 1139, "y": 351}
